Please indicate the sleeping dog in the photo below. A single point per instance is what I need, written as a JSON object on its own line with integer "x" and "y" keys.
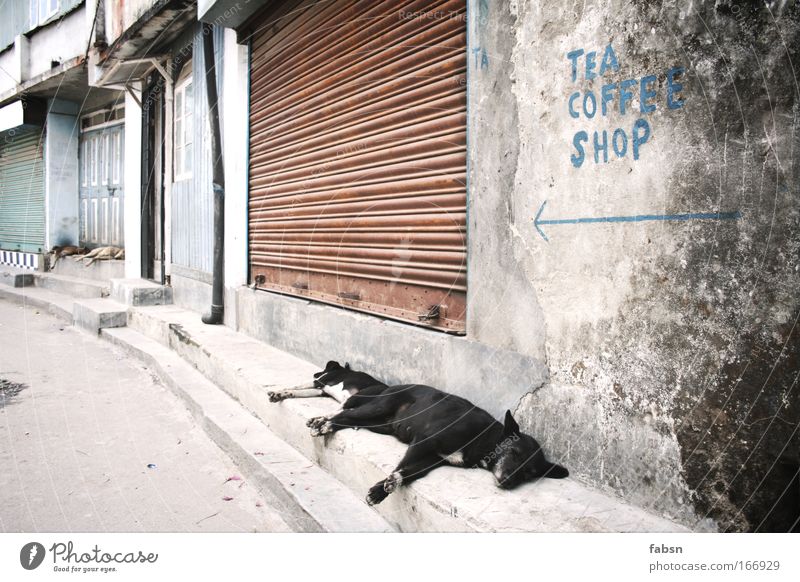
{"x": 440, "y": 429}
{"x": 335, "y": 381}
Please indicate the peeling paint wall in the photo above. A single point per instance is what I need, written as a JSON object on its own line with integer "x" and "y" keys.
{"x": 120, "y": 15}
{"x": 61, "y": 173}
{"x": 661, "y": 279}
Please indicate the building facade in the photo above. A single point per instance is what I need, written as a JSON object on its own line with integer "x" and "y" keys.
{"x": 582, "y": 213}
{"x": 44, "y": 100}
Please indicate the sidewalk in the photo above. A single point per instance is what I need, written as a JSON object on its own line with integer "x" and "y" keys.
{"x": 79, "y": 425}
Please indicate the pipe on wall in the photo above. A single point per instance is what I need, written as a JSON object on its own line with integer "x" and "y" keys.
{"x": 215, "y": 314}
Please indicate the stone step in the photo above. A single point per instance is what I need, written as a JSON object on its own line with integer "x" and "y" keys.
{"x": 72, "y": 286}
{"x": 57, "y": 304}
{"x": 449, "y": 499}
{"x": 16, "y": 277}
{"x": 96, "y": 314}
{"x": 97, "y": 271}
{"x": 308, "y": 498}
{"x": 140, "y": 292}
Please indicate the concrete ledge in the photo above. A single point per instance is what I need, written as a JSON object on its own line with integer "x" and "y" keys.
{"x": 97, "y": 271}
{"x": 397, "y": 353}
{"x": 46, "y": 300}
{"x": 72, "y": 286}
{"x": 96, "y": 314}
{"x": 307, "y": 497}
{"x": 14, "y": 277}
{"x": 140, "y": 292}
{"x": 449, "y": 499}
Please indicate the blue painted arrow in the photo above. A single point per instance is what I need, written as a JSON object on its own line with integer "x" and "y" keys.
{"x": 537, "y": 222}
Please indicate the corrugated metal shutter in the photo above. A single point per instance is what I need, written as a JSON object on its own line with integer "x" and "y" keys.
{"x": 358, "y": 156}
{"x": 22, "y": 191}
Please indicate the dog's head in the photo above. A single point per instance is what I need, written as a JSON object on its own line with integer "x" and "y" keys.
{"x": 520, "y": 459}
{"x": 333, "y": 374}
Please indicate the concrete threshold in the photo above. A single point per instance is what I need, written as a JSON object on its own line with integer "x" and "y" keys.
{"x": 448, "y": 500}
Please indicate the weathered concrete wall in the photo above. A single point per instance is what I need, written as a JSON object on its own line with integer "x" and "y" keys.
{"x": 61, "y": 41}
{"x": 396, "y": 353}
{"x": 189, "y": 292}
{"x": 671, "y": 344}
{"x": 61, "y": 173}
{"x": 133, "y": 186}
{"x": 121, "y": 15}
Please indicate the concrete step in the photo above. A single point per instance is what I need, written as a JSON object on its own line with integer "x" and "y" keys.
{"x": 73, "y": 286}
{"x": 16, "y": 277}
{"x": 97, "y": 271}
{"x": 308, "y": 498}
{"x": 140, "y": 292}
{"x": 449, "y": 499}
{"x": 96, "y": 314}
{"x": 57, "y": 304}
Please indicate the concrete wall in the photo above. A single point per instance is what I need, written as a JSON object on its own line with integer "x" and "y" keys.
{"x": 235, "y": 142}
{"x": 9, "y": 61}
{"x": 191, "y": 290}
{"x": 133, "y": 186}
{"x": 29, "y": 57}
{"x": 61, "y": 41}
{"x": 671, "y": 344}
{"x": 61, "y": 173}
{"x": 396, "y": 353}
{"x": 121, "y": 15}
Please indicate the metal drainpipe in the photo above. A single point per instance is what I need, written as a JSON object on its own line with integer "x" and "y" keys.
{"x": 217, "y": 300}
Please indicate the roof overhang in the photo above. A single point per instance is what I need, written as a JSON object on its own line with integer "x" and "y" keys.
{"x": 227, "y": 13}
{"x": 67, "y": 81}
{"x": 153, "y": 32}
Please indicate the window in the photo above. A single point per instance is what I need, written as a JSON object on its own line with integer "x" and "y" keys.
{"x": 42, "y": 10}
{"x": 183, "y": 129}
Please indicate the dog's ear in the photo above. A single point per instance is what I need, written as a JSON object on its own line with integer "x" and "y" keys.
{"x": 510, "y": 426}
{"x": 332, "y": 365}
{"x": 347, "y": 365}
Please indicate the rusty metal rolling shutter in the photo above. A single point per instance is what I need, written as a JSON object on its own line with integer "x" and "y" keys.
{"x": 358, "y": 156}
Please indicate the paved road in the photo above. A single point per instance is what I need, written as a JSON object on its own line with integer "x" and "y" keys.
{"x": 79, "y": 424}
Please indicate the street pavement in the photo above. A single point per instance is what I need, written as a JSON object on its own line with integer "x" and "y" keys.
{"x": 90, "y": 440}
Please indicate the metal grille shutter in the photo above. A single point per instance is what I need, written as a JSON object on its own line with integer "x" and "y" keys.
{"x": 22, "y": 191}
{"x": 358, "y": 156}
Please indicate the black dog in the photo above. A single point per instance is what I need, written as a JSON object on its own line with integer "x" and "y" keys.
{"x": 440, "y": 428}
{"x": 335, "y": 381}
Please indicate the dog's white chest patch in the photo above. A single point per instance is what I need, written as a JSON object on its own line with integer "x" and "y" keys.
{"x": 456, "y": 458}
{"x": 337, "y": 391}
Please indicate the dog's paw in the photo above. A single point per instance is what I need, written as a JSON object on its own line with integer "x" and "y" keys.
{"x": 392, "y": 482}
{"x": 316, "y": 422}
{"x": 377, "y": 493}
{"x": 278, "y": 396}
{"x": 325, "y": 428}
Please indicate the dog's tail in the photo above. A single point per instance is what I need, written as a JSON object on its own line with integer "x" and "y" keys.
{"x": 553, "y": 471}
